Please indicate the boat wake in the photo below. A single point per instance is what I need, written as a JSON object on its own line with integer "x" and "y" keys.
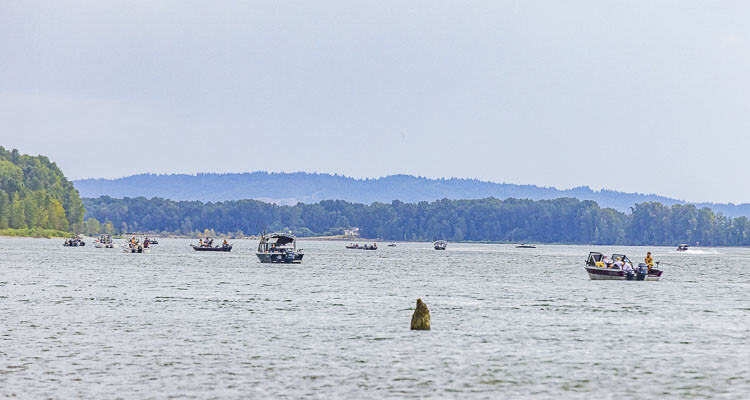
{"x": 698, "y": 252}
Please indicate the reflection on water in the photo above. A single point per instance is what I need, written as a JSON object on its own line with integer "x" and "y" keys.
{"x": 86, "y": 322}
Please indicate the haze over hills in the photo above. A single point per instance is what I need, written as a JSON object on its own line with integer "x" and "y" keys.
{"x": 290, "y": 188}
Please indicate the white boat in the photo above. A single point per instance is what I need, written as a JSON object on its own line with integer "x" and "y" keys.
{"x": 105, "y": 242}
{"x": 136, "y": 246}
{"x": 682, "y": 247}
{"x": 279, "y": 248}
{"x": 440, "y": 244}
{"x": 136, "y": 249}
{"x": 599, "y": 270}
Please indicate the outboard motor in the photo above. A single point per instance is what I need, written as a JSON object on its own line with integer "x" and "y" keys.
{"x": 629, "y": 275}
{"x": 642, "y": 271}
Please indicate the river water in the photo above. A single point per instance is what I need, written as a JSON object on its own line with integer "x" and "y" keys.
{"x": 506, "y": 323}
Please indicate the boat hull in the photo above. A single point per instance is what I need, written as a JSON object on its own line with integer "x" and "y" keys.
{"x": 280, "y": 258}
{"x": 610, "y": 274}
{"x": 214, "y": 249}
{"x": 136, "y": 250}
{"x": 106, "y": 246}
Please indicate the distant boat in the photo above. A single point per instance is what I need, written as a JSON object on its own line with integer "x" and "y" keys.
{"x": 279, "y": 248}
{"x": 682, "y": 247}
{"x": 135, "y": 245}
{"x": 136, "y": 249}
{"x": 223, "y": 247}
{"x": 392, "y": 245}
{"x": 526, "y": 246}
{"x": 74, "y": 242}
{"x": 440, "y": 245}
{"x": 105, "y": 242}
{"x": 356, "y": 246}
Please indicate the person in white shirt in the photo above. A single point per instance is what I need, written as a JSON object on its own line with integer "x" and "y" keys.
{"x": 627, "y": 267}
{"x": 618, "y": 264}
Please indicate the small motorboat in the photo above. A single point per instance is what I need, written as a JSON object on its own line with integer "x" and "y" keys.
{"x": 105, "y": 242}
{"x": 136, "y": 249}
{"x": 74, "y": 242}
{"x": 136, "y": 246}
{"x": 440, "y": 244}
{"x": 392, "y": 245}
{"x": 206, "y": 246}
{"x": 682, "y": 247}
{"x": 526, "y": 246}
{"x": 279, "y": 248}
{"x": 356, "y": 246}
{"x": 153, "y": 241}
{"x": 600, "y": 269}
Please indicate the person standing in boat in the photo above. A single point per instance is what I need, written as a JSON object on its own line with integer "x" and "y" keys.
{"x": 225, "y": 244}
{"x": 145, "y": 243}
{"x": 649, "y": 261}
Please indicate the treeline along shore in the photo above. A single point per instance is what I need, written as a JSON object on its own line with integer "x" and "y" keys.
{"x": 35, "y": 197}
{"x": 564, "y": 220}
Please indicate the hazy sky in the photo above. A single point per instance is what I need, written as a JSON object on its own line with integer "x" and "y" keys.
{"x": 649, "y": 96}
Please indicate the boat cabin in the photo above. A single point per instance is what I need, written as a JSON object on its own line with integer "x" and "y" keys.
{"x": 277, "y": 243}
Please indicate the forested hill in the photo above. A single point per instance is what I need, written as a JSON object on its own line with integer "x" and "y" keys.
{"x": 291, "y": 188}
{"x": 34, "y": 194}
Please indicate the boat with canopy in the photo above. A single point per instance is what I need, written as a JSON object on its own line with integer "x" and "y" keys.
{"x": 279, "y": 247}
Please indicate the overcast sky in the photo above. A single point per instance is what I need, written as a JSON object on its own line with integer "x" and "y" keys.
{"x": 649, "y": 96}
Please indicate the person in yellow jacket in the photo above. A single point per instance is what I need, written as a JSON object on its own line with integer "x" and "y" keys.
{"x": 649, "y": 261}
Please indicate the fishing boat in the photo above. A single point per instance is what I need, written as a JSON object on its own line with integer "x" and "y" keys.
{"x": 136, "y": 249}
{"x": 207, "y": 246}
{"x": 356, "y": 246}
{"x": 599, "y": 269}
{"x": 526, "y": 246}
{"x": 392, "y": 245}
{"x": 74, "y": 242}
{"x": 279, "y": 248}
{"x": 682, "y": 247}
{"x": 135, "y": 245}
{"x": 440, "y": 244}
{"x": 105, "y": 242}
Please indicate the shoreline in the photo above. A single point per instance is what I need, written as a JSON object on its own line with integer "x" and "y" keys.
{"x": 338, "y": 238}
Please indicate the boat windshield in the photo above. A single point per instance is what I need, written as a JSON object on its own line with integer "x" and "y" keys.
{"x": 594, "y": 257}
{"x": 621, "y": 257}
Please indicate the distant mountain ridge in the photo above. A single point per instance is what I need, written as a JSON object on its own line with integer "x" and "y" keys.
{"x": 290, "y": 188}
